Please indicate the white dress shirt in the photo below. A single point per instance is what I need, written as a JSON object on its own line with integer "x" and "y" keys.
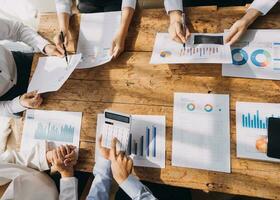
{"x": 171, "y": 5}
{"x": 26, "y": 182}
{"x": 263, "y": 6}
{"x": 14, "y": 31}
{"x": 64, "y": 6}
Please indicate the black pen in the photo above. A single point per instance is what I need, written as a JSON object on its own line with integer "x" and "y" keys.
{"x": 184, "y": 27}
{"x": 62, "y": 39}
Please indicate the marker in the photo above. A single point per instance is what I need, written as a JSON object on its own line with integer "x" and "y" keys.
{"x": 62, "y": 39}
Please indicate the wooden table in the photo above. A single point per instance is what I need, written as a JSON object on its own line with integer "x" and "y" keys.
{"x": 131, "y": 85}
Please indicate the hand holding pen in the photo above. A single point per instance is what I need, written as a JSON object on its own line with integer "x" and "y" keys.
{"x": 177, "y": 28}
{"x": 62, "y": 39}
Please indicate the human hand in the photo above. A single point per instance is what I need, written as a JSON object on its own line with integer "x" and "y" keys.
{"x": 63, "y": 159}
{"x": 118, "y": 44}
{"x": 52, "y": 50}
{"x": 236, "y": 31}
{"x": 121, "y": 165}
{"x": 31, "y": 100}
{"x": 241, "y": 26}
{"x": 261, "y": 144}
{"x": 176, "y": 29}
{"x": 58, "y": 42}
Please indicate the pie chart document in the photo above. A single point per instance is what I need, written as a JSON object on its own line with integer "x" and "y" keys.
{"x": 200, "y": 48}
{"x": 255, "y": 55}
{"x": 201, "y": 132}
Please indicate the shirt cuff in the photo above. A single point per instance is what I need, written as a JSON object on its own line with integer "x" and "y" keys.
{"x": 132, "y": 186}
{"x": 171, "y": 5}
{"x": 103, "y": 167}
{"x": 129, "y": 3}
{"x": 16, "y": 106}
{"x": 263, "y": 6}
{"x": 68, "y": 182}
{"x": 64, "y": 7}
{"x": 41, "y": 43}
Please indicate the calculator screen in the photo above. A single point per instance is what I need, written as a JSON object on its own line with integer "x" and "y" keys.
{"x": 117, "y": 117}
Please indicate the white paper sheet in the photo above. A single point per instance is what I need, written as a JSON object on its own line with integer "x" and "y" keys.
{"x": 168, "y": 51}
{"x": 255, "y": 55}
{"x": 201, "y": 131}
{"x": 148, "y": 132}
{"x": 97, "y": 32}
{"x": 251, "y": 126}
{"x": 52, "y": 72}
{"x": 55, "y": 127}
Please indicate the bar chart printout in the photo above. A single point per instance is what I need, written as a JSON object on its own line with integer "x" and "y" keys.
{"x": 251, "y": 128}
{"x": 55, "y": 132}
{"x": 146, "y": 144}
{"x": 147, "y": 147}
{"x": 52, "y": 126}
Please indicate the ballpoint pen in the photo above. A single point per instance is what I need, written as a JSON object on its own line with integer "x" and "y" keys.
{"x": 62, "y": 39}
{"x": 184, "y": 27}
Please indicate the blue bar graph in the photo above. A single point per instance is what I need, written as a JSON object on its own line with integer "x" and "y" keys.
{"x": 129, "y": 144}
{"x": 54, "y": 132}
{"x": 135, "y": 148}
{"x": 255, "y": 121}
{"x": 154, "y": 141}
{"x": 147, "y": 141}
{"x": 140, "y": 145}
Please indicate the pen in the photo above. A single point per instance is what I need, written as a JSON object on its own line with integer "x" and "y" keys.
{"x": 184, "y": 27}
{"x": 62, "y": 39}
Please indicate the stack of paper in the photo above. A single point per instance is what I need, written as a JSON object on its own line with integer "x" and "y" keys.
{"x": 96, "y": 35}
{"x": 168, "y": 51}
{"x": 251, "y": 127}
{"x": 56, "y": 127}
{"x": 52, "y": 72}
{"x": 256, "y": 55}
{"x": 201, "y": 131}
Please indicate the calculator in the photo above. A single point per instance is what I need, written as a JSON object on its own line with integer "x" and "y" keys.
{"x": 116, "y": 125}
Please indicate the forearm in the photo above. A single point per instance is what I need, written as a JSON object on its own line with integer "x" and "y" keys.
{"x": 251, "y": 16}
{"x": 11, "y": 107}
{"x": 136, "y": 190}
{"x": 101, "y": 184}
{"x": 127, "y": 14}
{"x": 175, "y": 16}
{"x": 63, "y": 21}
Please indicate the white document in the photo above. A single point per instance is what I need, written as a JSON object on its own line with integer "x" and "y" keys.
{"x": 255, "y": 55}
{"x": 97, "y": 32}
{"x": 55, "y": 127}
{"x": 201, "y": 131}
{"x": 52, "y": 72}
{"x": 146, "y": 141}
{"x": 168, "y": 51}
{"x": 251, "y": 128}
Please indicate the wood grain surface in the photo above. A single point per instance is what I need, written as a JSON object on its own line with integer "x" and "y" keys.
{"x": 131, "y": 85}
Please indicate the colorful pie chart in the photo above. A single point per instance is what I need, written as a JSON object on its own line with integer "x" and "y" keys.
{"x": 165, "y": 54}
{"x": 208, "y": 108}
{"x": 261, "y": 58}
{"x": 239, "y": 56}
{"x": 190, "y": 107}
